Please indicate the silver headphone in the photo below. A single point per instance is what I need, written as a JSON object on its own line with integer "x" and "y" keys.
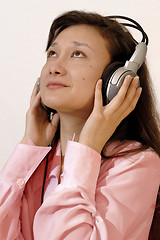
{"x": 114, "y": 74}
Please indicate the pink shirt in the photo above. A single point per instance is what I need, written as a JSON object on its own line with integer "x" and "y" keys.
{"x": 96, "y": 200}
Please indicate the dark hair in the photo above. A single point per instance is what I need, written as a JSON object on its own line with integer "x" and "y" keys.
{"x": 142, "y": 124}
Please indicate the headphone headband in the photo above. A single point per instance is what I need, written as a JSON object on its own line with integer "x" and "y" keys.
{"x": 133, "y": 24}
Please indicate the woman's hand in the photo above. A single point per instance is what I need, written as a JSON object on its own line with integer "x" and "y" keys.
{"x": 38, "y": 128}
{"x": 104, "y": 120}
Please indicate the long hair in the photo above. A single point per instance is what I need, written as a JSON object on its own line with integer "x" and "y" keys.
{"x": 142, "y": 124}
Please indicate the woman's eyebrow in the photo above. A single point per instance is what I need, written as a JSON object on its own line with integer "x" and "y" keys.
{"x": 75, "y": 43}
{"x": 53, "y": 44}
{"x": 81, "y": 44}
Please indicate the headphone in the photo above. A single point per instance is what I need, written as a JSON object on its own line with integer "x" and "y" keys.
{"x": 115, "y": 73}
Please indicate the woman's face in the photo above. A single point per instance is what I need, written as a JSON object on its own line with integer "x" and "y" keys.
{"x": 75, "y": 61}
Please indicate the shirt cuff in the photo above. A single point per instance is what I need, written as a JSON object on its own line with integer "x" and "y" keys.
{"x": 23, "y": 162}
{"x": 81, "y": 166}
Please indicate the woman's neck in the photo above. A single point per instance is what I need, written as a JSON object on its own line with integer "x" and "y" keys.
{"x": 70, "y": 127}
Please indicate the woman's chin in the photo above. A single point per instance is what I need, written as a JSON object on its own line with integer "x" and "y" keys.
{"x": 56, "y": 107}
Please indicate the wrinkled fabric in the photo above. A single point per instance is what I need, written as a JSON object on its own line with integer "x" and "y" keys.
{"x": 94, "y": 198}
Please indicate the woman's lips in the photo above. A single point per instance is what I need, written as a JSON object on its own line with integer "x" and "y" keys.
{"x": 55, "y": 85}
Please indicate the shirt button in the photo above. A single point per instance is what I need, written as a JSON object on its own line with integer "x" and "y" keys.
{"x": 20, "y": 182}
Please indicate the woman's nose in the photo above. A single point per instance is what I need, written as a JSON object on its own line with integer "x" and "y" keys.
{"x": 58, "y": 67}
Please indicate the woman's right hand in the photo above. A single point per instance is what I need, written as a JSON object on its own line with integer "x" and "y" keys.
{"x": 38, "y": 128}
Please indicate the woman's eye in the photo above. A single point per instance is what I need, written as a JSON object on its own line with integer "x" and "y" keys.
{"x": 51, "y": 54}
{"x": 78, "y": 54}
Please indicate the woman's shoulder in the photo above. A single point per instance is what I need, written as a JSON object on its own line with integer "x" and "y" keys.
{"x": 131, "y": 151}
{"x": 124, "y": 159}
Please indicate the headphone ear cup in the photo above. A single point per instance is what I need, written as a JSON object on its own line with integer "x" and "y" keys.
{"x": 106, "y": 76}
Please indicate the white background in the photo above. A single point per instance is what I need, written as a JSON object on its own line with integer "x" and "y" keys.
{"x": 24, "y": 27}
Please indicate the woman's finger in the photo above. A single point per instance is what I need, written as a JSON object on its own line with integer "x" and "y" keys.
{"x": 98, "y": 94}
{"x": 37, "y": 100}
{"x": 55, "y": 120}
{"x": 132, "y": 105}
{"x": 130, "y": 97}
{"x": 132, "y": 89}
{"x": 117, "y": 101}
{"x": 34, "y": 92}
{"x": 124, "y": 88}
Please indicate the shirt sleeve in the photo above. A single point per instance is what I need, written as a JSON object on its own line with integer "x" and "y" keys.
{"x": 13, "y": 178}
{"x": 115, "y": 201}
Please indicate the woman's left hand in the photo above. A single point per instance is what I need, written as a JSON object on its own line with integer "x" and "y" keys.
{"x": 104, "y": 120}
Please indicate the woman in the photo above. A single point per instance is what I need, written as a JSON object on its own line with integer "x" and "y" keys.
{"x": 97, "y": 174}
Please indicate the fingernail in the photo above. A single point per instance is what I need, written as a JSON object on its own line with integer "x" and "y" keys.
{"x": 139, "y": 90}
{"x": 136, "y": 79}
{"x": 100, "y": 82}
{"x": 129, "y": 78}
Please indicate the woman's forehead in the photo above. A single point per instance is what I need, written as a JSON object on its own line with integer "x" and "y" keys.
{"x": 81, "y": 34}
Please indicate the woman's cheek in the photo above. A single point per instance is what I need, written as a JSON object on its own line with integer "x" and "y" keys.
{"x": 45, "y": 70}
